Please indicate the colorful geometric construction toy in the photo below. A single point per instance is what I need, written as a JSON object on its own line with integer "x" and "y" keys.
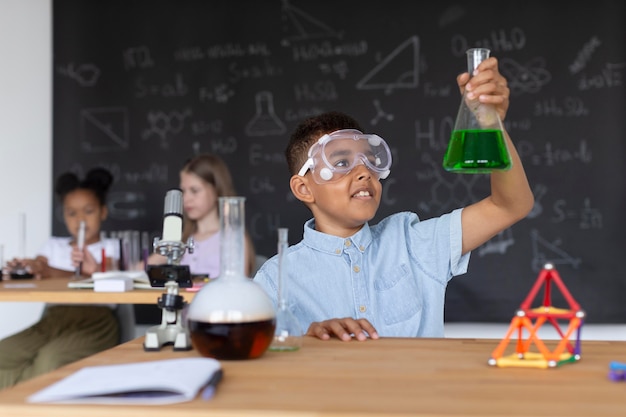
{"x": 529, "y": 320}
{"x": 617, "y": 371}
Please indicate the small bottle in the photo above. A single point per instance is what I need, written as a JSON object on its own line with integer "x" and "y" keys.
{"x": 477, "y": 144}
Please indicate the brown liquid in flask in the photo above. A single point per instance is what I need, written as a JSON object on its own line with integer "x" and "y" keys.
{"x": 231, "y": 317}
{"x": 477, "y": 144}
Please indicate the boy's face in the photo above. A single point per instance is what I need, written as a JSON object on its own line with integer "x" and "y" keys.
{"x": 82, "y": 204}
{"x": 339, "y": 181}
{"x": 342, "y": 207}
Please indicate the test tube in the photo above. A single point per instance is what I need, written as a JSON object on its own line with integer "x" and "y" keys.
{"x": 80, "y": 242}
{"x": 145, "y": 248}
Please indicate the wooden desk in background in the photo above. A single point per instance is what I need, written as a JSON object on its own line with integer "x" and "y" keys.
{"x": 55, "y": 290}
{"x": 386, "y": 377}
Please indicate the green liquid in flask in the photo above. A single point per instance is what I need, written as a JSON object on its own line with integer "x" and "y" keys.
{"x": 476, "y": 151}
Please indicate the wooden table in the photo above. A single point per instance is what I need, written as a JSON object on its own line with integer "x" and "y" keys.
{"x": 386, "y": 377}
{"x": 55, "y": 290}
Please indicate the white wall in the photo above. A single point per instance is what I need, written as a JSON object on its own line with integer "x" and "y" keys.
{"x": 25, "y": 138}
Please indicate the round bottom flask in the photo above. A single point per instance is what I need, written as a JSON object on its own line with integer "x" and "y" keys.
{"x": 231, "y": 317}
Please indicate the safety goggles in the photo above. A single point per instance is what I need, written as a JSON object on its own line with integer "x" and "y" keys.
{"x": 335, "y": 154}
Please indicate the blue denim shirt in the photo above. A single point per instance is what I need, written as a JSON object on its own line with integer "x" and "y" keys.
{"x": 393, "y": 274}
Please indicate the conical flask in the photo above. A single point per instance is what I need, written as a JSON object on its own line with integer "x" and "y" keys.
{"x": 477, "y": 144}
{"x": 288, "y": 333}
{"x": 231, "y": 317}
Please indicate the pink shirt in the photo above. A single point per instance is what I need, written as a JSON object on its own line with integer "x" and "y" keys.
{"x": 205, "y": 258}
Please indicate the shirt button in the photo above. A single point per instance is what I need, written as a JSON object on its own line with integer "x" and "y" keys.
{"x": 347, "y": 243}
{"x": 356, "y": 268}
{"x": 337, "y": 251}
{"x": 362, "y": 309}
{"x": 362, "y": 248}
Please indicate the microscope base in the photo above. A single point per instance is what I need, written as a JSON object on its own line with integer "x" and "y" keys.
{"x": 171, "y": 331}
{"x": 168, "y": 334}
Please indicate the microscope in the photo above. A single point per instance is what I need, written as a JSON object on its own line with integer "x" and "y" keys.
{"x": 171, "y": 275}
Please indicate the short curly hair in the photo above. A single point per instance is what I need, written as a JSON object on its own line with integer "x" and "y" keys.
{"x": 309, "y": 131}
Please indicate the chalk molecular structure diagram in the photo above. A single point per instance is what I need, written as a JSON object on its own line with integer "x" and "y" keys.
{"x": 529, "y": 320}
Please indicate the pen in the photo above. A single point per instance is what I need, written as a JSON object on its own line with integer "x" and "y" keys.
{"x": 211, "y": 386}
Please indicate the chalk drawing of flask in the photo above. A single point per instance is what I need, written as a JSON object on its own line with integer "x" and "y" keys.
{"x": 265, "y": 122}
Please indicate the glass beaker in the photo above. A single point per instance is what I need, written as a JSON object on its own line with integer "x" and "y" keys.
{"x": 477, "y": 144}
{"x": 231, "y": 317}
{"x": 288, "y": 334}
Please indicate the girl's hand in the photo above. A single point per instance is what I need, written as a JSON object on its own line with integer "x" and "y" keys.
{"x": 85, "y": 260}
{"x": 16, "y": 263}
{"x": 37, "y": 267}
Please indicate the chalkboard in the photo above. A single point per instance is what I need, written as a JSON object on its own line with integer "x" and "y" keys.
{"x": 140, "y": 86}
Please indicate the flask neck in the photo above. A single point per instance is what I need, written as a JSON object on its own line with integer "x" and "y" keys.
{"x": 474, "y": 57}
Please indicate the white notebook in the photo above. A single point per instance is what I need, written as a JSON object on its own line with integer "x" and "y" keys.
{"x": 140, "y": 279}
{"x": 154, "y": 382}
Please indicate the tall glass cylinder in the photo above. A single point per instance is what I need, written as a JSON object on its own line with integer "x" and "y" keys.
{"x": 288, "y": 333}
{"x": 477, "y": 144}
{"x": 232, "y": 230}
{"x": 231, "y": 317}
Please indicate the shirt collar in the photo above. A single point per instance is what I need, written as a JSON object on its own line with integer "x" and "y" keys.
{"x": 334, "y": 245}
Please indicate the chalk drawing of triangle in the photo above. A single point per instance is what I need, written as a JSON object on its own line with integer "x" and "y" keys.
{"x": 399, "y": 69}
{"x": 104, "y": 129}
{"x": 546, "y": 252}
{"x": 304, "y": 25}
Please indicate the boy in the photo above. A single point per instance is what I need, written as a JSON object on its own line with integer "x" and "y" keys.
{"x": 347, "y": 279}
